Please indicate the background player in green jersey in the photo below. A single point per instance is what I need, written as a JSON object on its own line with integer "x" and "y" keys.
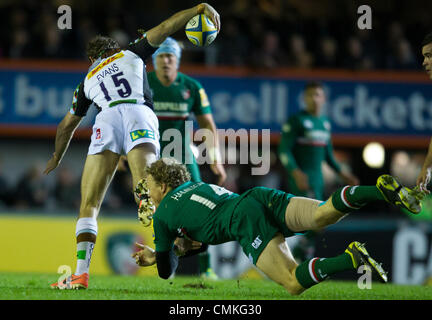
{"x": 175, "y": 97}
{"x": 305, "y": 144}
{"x": 259, "y": 220}
{"x": 424, "y": 178}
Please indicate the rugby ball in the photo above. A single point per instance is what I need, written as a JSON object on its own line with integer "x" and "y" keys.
{"x": 201, "y": 31}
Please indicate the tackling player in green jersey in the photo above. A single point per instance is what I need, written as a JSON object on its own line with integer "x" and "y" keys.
{"x": 175, "y": 97}
{"x": 189, "y": 214}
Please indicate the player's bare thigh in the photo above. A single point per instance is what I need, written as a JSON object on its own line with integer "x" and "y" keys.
{"x": 98, "y": 172}
{"x": 277, "y": 262}
{"x": 139, "y": 158}
{"x": 309, "y": 214}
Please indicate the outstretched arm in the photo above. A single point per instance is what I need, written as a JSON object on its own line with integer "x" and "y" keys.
{"x": 65, "y": 131}
{"x": 206, "y": 121}
{"x": 158, "y": 34}
{"x": 288, "y": 139}
{"x": 426, "y": 172}
{"x": 346, "y": 176}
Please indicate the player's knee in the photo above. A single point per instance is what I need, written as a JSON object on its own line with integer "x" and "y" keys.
{"x": 324, "y": 218}
{"x": 292, "y": 286}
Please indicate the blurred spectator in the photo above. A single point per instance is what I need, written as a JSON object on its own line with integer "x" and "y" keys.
{"x": 402, "y": 57}
{"x": 299, "y": 57}
{"x": 115, "y": 31}
{"x": 270, "y": 54}
{"x": 354, "y": 57}
{"x": 253, "y": 32}
{"x": 232, "y": 46}
{"x": 327, "y": 56}
{"x": 67, "y": 189}
{"x": 31, "y": 190}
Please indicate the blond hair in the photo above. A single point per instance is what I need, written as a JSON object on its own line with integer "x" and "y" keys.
{"x": 169, "y": 171}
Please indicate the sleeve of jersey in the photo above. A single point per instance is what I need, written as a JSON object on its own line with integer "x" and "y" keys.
{"x": 142, "y": 47}
{"x": 166, "y": 263}
{"x": 330, "y": 159}
{"x": 201, "y": 104}
{"x": 286, "y": 144}
{"x": 80, "y": 104}
{"x": 163, "y": 238}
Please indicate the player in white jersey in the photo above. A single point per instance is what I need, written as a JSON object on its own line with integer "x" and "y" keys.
{"x": 116, "y": 84}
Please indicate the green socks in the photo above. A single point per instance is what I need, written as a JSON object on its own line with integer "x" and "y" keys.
{"x": 349, "y": 198}
{"x": 315, "y": 270}
{"x": 204, "y": 261}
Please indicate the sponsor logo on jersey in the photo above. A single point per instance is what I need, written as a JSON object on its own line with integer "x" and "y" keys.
{"x": 308, "y": 124}
{"x": 186, "y": 94}
{"x": 204, "y": 99}
{"x": 138, "y": 134}
{"x": 103, "y": 64}
{"x": 98, "y": 133}
{"x": 257, "y": 242}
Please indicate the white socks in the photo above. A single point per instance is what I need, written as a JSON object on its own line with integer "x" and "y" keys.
{"x": 84, "y": 253}
{"x": 85, "y": 248}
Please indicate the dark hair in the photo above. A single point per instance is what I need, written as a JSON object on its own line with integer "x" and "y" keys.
{"x": 313, "y": 85}
{"x": 100, "y": 45}
{"x": 169, "y": 171}
{"x": 427, "y": 39}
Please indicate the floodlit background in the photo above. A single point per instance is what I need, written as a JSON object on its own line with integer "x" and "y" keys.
{"x": 379, "y": 105}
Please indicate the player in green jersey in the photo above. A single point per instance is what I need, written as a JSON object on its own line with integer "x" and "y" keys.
{"x": 424, "y": 177}
{"x": 305, "y": 144}
{"x": 189, "y": 214}
{"x": 175, "y": 97}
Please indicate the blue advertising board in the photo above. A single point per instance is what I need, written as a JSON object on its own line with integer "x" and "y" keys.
{"x": 355, "y": 107}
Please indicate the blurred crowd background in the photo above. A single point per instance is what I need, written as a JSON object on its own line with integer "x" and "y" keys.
{"x": 255, "y": 33}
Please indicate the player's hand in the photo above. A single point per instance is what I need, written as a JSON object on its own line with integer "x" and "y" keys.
{"x": 219, "y": 170}
{"x": 210, "y": 12}
{"x": 145, "y": 257}
{"x": 349, "y": 178}
{"x": 423, "y": 179}
{"x": 52, "y": 164}
{"x": 301, "y": 180}
{"x": 184, "y": 245}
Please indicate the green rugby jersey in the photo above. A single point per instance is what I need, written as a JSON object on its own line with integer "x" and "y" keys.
{"x": 205, "y": 209}
{"x": 174, "y": 104}
{"x": 305, "y": 143}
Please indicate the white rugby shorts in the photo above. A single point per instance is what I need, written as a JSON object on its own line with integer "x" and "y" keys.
{"x": 124, "y": 126}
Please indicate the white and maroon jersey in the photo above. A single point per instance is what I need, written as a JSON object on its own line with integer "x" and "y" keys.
{"x": 120, "y": 78}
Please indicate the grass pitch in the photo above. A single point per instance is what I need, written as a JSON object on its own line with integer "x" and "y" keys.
{"x": 29, "y": 286}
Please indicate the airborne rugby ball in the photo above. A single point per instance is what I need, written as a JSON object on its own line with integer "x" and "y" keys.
{"x": 201, "y": 31}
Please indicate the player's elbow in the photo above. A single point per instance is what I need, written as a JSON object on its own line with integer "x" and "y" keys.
{"x": 164, "y": 274}
{"x": 158, "y": 34}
